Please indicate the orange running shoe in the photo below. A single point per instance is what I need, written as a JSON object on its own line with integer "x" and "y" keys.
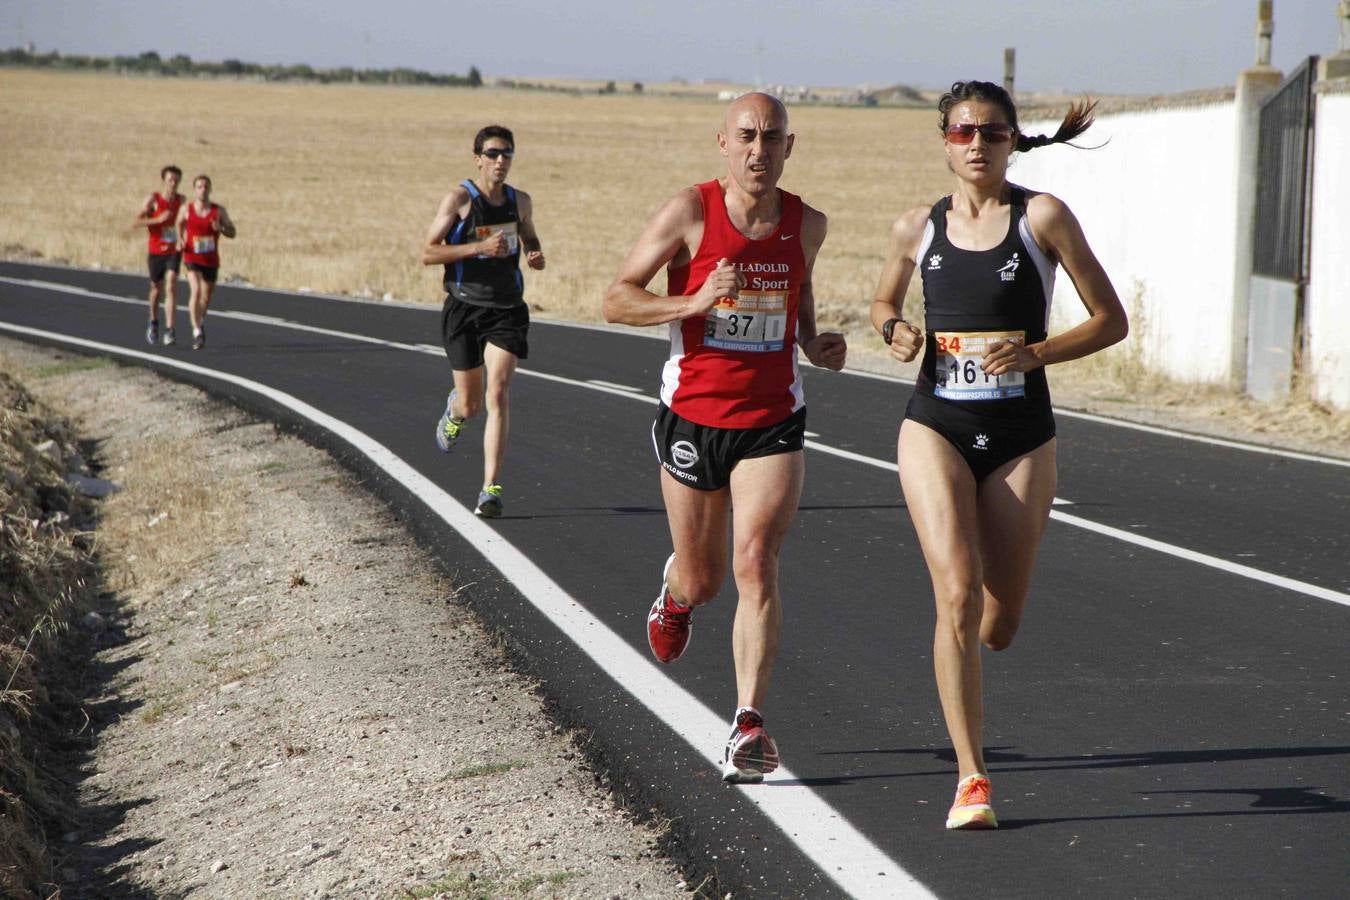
{"x": 972, "y": 808}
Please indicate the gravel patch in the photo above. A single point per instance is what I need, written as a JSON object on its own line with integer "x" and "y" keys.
{"x": 287, "y": 699}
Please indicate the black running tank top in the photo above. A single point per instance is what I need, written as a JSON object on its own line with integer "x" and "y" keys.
{"x": 970, "y": 296}
{"x": 483, "y": 280}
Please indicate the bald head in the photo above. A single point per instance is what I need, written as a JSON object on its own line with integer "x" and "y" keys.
{"x": 755, "y": 141}
{"x": 760, "y": 107}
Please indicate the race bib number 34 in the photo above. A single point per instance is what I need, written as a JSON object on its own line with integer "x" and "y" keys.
{"x": 508, "y": 230}
{"x": 959, "y": 374}
{"x": 756, "y": 322}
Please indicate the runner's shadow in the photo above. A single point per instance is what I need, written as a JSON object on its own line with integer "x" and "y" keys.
{"x": 1274, "y": 801}
{"x": 1008, "y": 760}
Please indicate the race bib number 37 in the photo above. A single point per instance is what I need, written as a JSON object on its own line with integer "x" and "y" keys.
{"x": 756, "y": 322}
{"x": 959, "y": 374}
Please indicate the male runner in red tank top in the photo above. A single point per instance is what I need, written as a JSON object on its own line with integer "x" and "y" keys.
{"x": 730, "y": 428}
{"x": 158, "y": 214}
{"x": 201, "y": 224}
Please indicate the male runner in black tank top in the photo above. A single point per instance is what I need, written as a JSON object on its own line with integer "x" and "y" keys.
{"x": 478, "y": 234}
{"x": 977, "y": 447}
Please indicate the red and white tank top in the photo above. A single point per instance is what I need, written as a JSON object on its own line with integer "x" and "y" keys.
{"x": 199, "y": 238}
{"x": 163, "y": 237}
{"x": 736, "y": 367}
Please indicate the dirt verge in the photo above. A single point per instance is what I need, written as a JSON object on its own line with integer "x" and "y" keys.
{"x": 287, "y": 698}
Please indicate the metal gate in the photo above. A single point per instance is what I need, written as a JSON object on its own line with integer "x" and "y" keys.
{"x": 1280, "y": 257}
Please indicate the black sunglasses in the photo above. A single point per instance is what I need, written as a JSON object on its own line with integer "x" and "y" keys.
{"x": 497, "y": 152}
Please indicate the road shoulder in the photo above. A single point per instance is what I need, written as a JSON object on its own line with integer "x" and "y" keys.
{"x": 303, "y": 706}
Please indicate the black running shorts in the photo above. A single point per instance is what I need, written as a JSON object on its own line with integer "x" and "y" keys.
{"x": 466, "y": 329}
{"x": 160, "y": 263}
{"x": 985, "y": 442}
{"x": 208, "y": 273}
{"x": 702, "y": 457}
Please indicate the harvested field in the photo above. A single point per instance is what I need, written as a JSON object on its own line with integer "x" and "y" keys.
{"x": 333, "y": 186}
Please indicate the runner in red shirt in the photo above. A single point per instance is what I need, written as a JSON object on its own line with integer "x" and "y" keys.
{"x": 158, "y": 216}
{"x": 730, "y": 428}
{"x": 201, "y": 224}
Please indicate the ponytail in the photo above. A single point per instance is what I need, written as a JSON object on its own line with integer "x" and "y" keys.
{"x": 1076, "y": 121}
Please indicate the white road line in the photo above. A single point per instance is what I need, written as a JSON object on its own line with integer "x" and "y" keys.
{"x": 823, "y": 835}
{"x": 1215, "y": 562}
{"x": 656, "y": 334}
{"x": 1205, "y": 559}
{"x": 1202, "y": 438}
{"x": 600, "y": 382}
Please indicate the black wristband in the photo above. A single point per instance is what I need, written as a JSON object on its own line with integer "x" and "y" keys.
{"x": 888, "y": 329}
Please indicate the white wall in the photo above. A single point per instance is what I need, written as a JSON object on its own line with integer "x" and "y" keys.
{"x": 1327, "y": 299}
{"x": 1157, "y": 205}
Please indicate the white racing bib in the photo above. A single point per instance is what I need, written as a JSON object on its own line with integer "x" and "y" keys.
{"x": 203, "y": 245}
{"x": 508, "y": 230}
{"x": 755, "y": 322}
{"x": 168, "y": 234}
{"x": 959, "y": 375}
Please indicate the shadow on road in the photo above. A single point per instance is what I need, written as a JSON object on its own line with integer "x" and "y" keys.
{"x": 1294, "y": 800}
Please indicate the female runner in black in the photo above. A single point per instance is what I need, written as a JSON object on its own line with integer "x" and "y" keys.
{"x": 977, "y": 445}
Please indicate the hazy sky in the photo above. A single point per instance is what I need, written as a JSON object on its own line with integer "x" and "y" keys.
{"x": 1098, "y": 45}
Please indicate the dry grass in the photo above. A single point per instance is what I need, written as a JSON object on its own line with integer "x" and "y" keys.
{"x": 46, "y": 572}
{"x": 165, "y": 522}
{"x": 332, "y": 187}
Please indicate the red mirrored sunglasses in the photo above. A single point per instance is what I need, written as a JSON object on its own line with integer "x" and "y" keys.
{"x": 993, "y": 132}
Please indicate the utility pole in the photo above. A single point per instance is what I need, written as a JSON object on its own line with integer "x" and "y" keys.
{"x": 1009, "y": 68}
{"x": 1254, "y": 85}
{"x": 1337, "y": 65}
{"x": 1265, "y": 28}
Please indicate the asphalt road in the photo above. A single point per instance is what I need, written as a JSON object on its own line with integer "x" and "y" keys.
{"x": 1171, "y": 721}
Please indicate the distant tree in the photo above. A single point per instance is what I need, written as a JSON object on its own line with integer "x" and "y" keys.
{"x": 232, "y": 67}
{"x": 475, "y": 77}
{"x": 637, "y": 87}
{"x": 609, "y": 88}
{"x": 149, "y": 60}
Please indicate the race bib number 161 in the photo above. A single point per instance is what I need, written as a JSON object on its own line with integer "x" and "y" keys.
{"x": 959, "y": 374}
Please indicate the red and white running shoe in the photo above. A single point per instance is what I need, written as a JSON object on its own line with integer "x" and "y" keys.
{"x": 668, "y": 623}
{"x": 750, "y": 753}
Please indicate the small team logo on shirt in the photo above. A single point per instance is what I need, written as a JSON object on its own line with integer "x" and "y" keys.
{"x": 1009, "y": 270}
{"x": 935, "y": 261}
{"x": 683, "y": 454}
{"x": 981, "y": 442}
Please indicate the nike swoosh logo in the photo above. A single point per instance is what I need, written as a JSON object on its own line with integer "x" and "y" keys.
{"x": 786, "y": 237}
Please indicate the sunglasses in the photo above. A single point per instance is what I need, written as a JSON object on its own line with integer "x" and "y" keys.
{"x": 497, "y": 153}
{"x": 993, "y": 133}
